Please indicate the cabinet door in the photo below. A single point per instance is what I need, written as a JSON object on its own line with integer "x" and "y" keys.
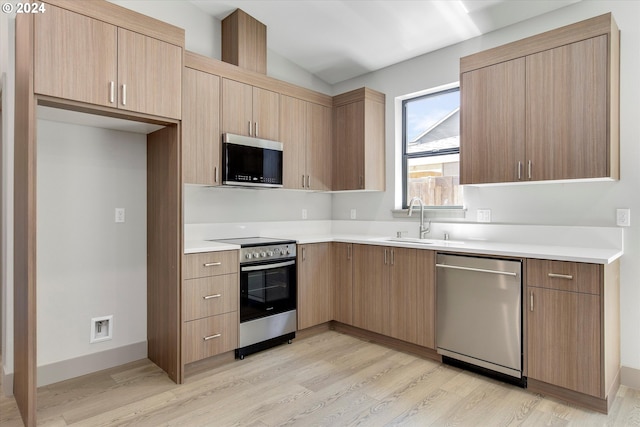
{"x": 149, "y": 75}
{"x": 403, "y": 295}
{"x": 237, "y": 107}
{"x": 266, "y": 114}
{"x": 342, "y": 254}
{"x": 293, "y": 131}
{"x": 370, "y": 290}
{"x": 348, "y": 148}
{"x": 567, "y": 113}
{"x": 200, "y": 128}
{"x": 563, "y": 336}
{"x": 492, "y": 126}
{"x": 319, "y": 151}
{"x": 75, "y": 57}
{"x": 315, "y": 297}
{"x": 207, "y": 337}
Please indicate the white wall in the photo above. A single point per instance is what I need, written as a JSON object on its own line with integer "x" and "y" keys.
{"x": 88, "y": 265}
{"x": 559, "y": 204}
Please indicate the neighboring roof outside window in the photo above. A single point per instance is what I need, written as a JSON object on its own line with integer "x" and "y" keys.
{"x": 443, "y": 135}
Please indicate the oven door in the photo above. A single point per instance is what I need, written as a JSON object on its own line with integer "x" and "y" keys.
{"x": 267, "y": 289}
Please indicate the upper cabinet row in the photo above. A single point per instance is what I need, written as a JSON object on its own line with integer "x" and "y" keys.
{"x": 85, "y": 59}
{"x": 543, "y": 108}
{"x": 324, "y": 148}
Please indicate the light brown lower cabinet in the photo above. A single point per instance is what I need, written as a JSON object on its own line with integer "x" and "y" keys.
{"x": 315, "y": 294}
{"x": 393, "y": 292}
{"x": 210, "y": 305}
{"x": 572, "y": 315}
{"x": 342, "y": 256}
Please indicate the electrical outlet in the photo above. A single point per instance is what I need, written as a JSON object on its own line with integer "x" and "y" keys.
{"x": 484, "y": 215}
{"x": 119, "y": 214}
{"x": 304, "y": 214}
{"x": 623, "y": 217}
{"x": 101, "y": 329}
{"x": 353, "y": 214}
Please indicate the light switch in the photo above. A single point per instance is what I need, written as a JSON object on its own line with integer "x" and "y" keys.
{"x": 484, "y": 215}
{"x": 119, "y": 214}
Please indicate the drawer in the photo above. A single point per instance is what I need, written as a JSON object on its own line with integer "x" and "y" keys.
{"x": 208, "y": 296}
{"x": 210, "y": 336}
{"x": 564, "y": 276}
{"x": 210, "y": 264}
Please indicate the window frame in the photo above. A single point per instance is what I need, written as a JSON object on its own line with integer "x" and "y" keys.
{"x": 407, "y": 156}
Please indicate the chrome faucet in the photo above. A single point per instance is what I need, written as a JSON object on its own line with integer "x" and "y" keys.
{"x": 423, "y": 230}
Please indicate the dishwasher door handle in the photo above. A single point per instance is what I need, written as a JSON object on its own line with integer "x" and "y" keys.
{"x": 478, "y": 270}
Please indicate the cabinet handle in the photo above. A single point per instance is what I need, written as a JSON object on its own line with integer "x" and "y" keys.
{"x": 212, "y": 296}
{"x": 302, "y": 180}
{"x": 112, "y": 92}
{"x": 349, "y": 252}
{"x": 529, "y": 169}
{"x": 308, "y": 181}
{"x": 385, "y": 256}
{"x": 560, "y": 276}
{"x": 249, "y": 127}
{"x": 519, "y": 171}
{"x": 124, "y": 94}
{"x": 212, "y": 264}
{"x": 393, "y": 256}
{"x": 304, "y": 253}
{"x": 531, "y": 302}
{"x": 210, "y": 337}
{"x": 256, "y": 127}
{"x": 215, "y": 172}
{"x": 361, "y": 181}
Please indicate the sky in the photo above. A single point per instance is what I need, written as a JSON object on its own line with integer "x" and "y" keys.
{"x": 425, "y": 112}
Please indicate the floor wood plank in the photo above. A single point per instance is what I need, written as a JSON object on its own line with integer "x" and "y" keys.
{"x": 329, "y": 379}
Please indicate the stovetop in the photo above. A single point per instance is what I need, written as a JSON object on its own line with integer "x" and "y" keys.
{"x": 248, "y": 242}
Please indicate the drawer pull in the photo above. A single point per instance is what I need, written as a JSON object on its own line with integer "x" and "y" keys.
{"x": 212, "y": 264}
{"x": 560, "y": 276}
{"x": 210, "y": 337}
{"x": 212, "y": 296}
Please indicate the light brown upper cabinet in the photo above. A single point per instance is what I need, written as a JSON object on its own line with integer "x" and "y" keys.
{"x": 358, "y": 143}
{"x": 543, "y": 108}
{"x": 84, "y": 59}
{"x": 305, "y": 131}
{"x": 249, "y": 110}
{"x": 244, "y": 42}
{"x": 201, "y": 128}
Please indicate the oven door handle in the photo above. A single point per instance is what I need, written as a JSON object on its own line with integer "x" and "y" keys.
{"x": 267, "y": 266}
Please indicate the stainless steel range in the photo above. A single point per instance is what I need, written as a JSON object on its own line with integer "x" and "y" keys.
{"x": 267, "y": 293}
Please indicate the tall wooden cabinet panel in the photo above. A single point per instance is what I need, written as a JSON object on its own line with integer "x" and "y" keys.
{"x": 293, "y": 133}
{"x": 359, "y": 140}
{"x": 305, "y": 131}
{"x": 342, "y": 256}
{"x": 200, "y": 128}
{"x": 568, "y": 89}
{"x": 76, "y": 57}
{"x": 315, "y": 291}
{"x": 496, "y": 135}
{"x": 244, "y": 42}
{"x": 573, "y": 330}
{"x": 87, "y": 60}
{"x": 567, "y": 111}
{"x": 249, "y": 111}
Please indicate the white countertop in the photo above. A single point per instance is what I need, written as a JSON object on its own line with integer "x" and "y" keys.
{"x": 478, "y": 247}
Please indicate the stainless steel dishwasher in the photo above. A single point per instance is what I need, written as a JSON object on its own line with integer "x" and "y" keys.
{"x": 479, "y": 313}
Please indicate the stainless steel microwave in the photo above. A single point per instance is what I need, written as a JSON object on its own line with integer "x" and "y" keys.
{"x": 251, "y": 162}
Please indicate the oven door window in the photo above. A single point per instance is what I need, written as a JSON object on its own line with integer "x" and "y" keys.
{"x": 267, "y": 290}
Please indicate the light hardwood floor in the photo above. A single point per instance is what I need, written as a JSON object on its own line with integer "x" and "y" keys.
{"x": 329, "y": 379}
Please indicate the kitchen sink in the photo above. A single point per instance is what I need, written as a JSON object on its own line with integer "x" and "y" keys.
{"x": 423, "y": 241}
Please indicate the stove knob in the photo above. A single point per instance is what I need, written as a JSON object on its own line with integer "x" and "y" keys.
{"x": 263, "y": 254}
{"x": 248, "y": 256}
{"x": 286, "y": 250}
{"x": 270, "y": 253}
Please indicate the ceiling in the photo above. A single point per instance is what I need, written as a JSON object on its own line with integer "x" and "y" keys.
{"x": 340, "y": 39}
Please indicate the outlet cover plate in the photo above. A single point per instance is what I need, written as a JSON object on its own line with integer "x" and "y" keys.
{"x": 484, "y": 215}
{"x": 101, "y": 329}
{"x": 623, "y": 217}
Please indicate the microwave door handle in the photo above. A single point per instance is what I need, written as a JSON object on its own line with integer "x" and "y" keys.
{"x": 267, "y": 266}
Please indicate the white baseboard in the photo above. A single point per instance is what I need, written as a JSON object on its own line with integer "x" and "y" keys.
{"x": 71, "y": 368}
{"x": 630, "y": 377}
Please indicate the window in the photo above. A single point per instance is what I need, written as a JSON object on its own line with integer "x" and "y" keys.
{"x": 431, "y": 149}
